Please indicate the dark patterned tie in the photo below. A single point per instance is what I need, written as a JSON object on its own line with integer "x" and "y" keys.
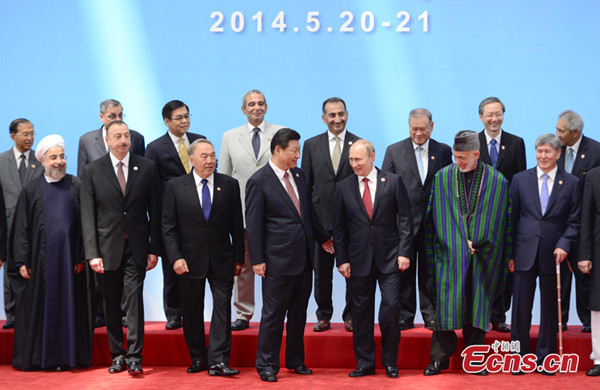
{"x": 367, "y": 198}
{"x": 22, "y": 169}
{"x": 205, "y": 199}
{"x": 493, "y": 153}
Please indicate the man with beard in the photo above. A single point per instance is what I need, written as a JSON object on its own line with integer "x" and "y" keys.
{"x": 466, "y": 231}
{"x": 54, "y": 328}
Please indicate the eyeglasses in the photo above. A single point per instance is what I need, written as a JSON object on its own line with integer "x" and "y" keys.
{"x": 181, "y": 118}
{"x": 26, "y": 135}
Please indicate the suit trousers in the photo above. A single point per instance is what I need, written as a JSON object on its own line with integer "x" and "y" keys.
{"x": 325, "y": 262}
{"x": 127, "y": 281}
{"x": 582, "y": 290}
{"x": 243, "y": 288}
{"x": 363, "y": 308}
{"x": 219, "y": 339}
{"x": 408, "y": 287}
{"x": 9, "y": 297}
{"x": 523, "y": 295}
{"x": 171, "y": 292}
{"x": 283, "y": 295}
{"x": 501, "y": 299}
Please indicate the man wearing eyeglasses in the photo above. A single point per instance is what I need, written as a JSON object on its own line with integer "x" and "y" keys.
{"x": 17, "y": 167}
{"x": 170, "y": 154}
{"x": 92, "y": 145}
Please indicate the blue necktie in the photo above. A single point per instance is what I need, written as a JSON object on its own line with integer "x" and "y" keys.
{"x": 205, "y": 199}
{"x": 570, "y": 160}
{"x": 493, "y": 153}
{"x": 544, "y": 195}
{"x": 420, "y": 164}
{"x": 256, "y": 142}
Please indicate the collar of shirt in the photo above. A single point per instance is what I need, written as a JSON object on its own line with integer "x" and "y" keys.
{"x": 342, "y": 136}
{"x": 176, "y": 139}
{"x": 575, "y": 148}
{"x": 261, "y": 127}
{"x": 103, "y": 132}
{"x": 52, "y": 179}
{"x": 425, "y": 147}
{"x": 125, "y": 161}
{"x": 372, "y": 176}
{"x": 18, "y": 155}
{"x": 549, "y": 182}
{"x": 280, "y": 172}
{"x": 210, "y": 181}
{"x": 488, "y": 139}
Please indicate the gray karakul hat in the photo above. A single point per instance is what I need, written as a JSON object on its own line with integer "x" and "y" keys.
{"x": 466, "y": 140}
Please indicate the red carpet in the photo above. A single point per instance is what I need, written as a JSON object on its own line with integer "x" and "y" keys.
{"x": 331, "y": 349}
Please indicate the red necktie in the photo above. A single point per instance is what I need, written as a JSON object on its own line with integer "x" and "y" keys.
{"x": 121, "y": 177}
{"x": 291, "y": 192}
{"x": 367, "y": 198}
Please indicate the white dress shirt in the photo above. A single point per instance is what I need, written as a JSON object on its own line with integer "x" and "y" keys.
{"x": 125, "y": 161}
{"x": 575, "y": 150}
{"x": 424, "y": 156}
{"x": 18, "y": 156}
{"x": 549, "y": 181}
{"x": 372, "y": 176}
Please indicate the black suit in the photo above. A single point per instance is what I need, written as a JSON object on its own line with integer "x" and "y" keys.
{"x": 168, "y": 164}
{"x": 321, "y": 181}
{"x": 511, "y": 160}
{"x": 122, "y": 230}
{"x": 285, "y": 241}
{"x": 589, "y": 243}
{"x": 372, "y": 246}
{"x": 537, "y": 235}
{"x": 400, "y": 159}
{"x": 210, "y": 249}
{"x": 588, "y": 157}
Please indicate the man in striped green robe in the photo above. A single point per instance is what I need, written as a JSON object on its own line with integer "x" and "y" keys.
{"x": 468, "y": 247}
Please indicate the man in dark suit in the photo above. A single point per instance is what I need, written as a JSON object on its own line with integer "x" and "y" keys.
{"x": 18, "y": 166}
{"x": 282, "y": 226}
{"x": 204, "y": 239}
{"x": 505, "y": 152}
{"x": 120, "y": 217}
{"x": 546, "y": 202}
{"x": 92, "y": 145}
{"x": 373, "y": 238}
{"x": 589, "y": 253}
{"x": 417, "y": 159}
{"x": 169, "y": 153}
{"x": 579, "y": 155}
{"x": 325, "y": 163}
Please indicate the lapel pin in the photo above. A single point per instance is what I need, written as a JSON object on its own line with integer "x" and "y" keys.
{"x": 269, "y": 139}
{"x": 583, "y": 156}
{"x": 349, "y": 142}
{"x": 433, "y": 157}
{"x": 502, "y": 147}
{"x": 33, "y": 166}
{"x": 560, "y": 182}
{"x": 135, "y": 168}
{"x": 218, "y": 188}
{"x": 382, "y": 179}
{"x": 297, "y": 175}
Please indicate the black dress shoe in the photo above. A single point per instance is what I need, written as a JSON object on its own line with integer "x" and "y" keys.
{"x": 222, "y": 369}
{"x": 501, "y": 327}
{"x": 435, "y": 368}
{"x": 586, "y": 328}
{"x": 391, "y": 371}
{"x": 135, "y": 368}
{"x": 173, "y": 324}
{"x": 240, "y": 325}
{"x": 197, "y": 366}
{"x": 594, "y": 371}
{"x": 322, "y": 326}
{"x": 124, "y": 322}
{"x": 361, "y": 372}
{"x": 61, "y": 368}
{"x": 99, "y": 323}
{"x": 481, "y": 373}
{"x": 8, "y": 325}
{"x": 267, "y": 376}
{"x": 118, "y": 365}
{"x": 430, "y": 325}
{"x": 302, "y": 370}
{"x": 405, "y": 325}
{"x": 544, "y": 372}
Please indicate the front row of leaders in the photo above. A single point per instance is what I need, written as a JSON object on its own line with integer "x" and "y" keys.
{"x": 113, "y": 212}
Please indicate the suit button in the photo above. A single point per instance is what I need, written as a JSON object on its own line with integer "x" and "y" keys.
{"x": 124, "y": 212}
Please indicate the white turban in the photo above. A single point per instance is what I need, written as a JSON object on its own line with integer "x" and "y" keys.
{"x": 48, "y": 143}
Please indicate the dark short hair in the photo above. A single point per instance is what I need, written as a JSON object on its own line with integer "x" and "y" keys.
{"x": 283, "y": 137}
{"x": 334, "y": 100}
{"x": 111, "y": 124}
{"x": 172, "y": 106}
{"x": 13, "y": 128}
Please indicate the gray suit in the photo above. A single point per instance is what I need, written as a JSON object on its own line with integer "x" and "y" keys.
{"x": 11, "y": 186}
{"x": 237, "y": 160}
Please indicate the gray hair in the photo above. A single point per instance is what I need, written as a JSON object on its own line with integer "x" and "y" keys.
{"x": 419, "y": 112}
{"x": 369, "y": 148}
{"x": 574, "y": 121}
{"x": 109, "y": 103}
{"x": 253, "y": 92}
{"x": 491, "y": 99}
{"x": 548, "y": 139}
{"x": 466, "y": 140}
{"x": 193, "y": 145}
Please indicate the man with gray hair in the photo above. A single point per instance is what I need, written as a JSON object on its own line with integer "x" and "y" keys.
{"x": 244, "y": 150}
{"x": 468, "y": 246}
{"x": 546, "y": 204}
{"x": 417, "y": 159}
{"x": 579, "y": 154}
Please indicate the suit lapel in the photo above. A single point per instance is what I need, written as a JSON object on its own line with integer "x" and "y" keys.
{"x": 265, "y": 144}
{"x": 99, "y": 143}
{"x": 348, "y": 141}
{"x": 132, "y": 172}
{"x": 274, "y": 181}
{"x": 217, "y": 195}
{"x": 191, "y": 192}
{"x": 170, "y": 148}
{"x": 483, "y": 149}
{"x": 355, "y": 191}
{"x": 502, "y": 148}
{"x": 109, "y": 171}
{"x": 11, "y": 165}
{"x": 534, "y": 189}
{"x": 559, "y": 180}
{"x": 411, "y": 160}
{"x": 324, "y": 150}
{"x": 432, "y": 167}
{"x": 245, "y": 140}
{"x": 381, "y": 186}
{"x": 581, "y": 155}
